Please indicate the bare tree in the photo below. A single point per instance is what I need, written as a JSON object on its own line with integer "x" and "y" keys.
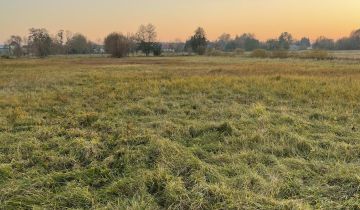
{"x": 222, "y": 41}
{"x": 40, "y": 42}
{"x": 324, "y": 43}
{"x": 247, "y": 41}
{"x": 304, "y": 43}
{"x": 15, "y": 44}
{"x": 133, "y": 47}
{"x": 285, "y": 40}
{"x": 147, "y": 33}
{"x": 146, "y": 37}
{"x": 57, "y": 46}
{"x": 60, "y": 34}
{"x": 224, "y": 37}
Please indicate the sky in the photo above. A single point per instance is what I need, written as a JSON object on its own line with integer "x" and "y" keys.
{"x": 177, "y": 19}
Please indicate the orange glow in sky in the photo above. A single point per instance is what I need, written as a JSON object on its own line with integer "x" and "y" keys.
{"x": 177, "y": 19}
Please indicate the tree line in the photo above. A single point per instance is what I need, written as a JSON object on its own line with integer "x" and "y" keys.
{"x": 40, "y": 43}
{"x": 285, "y": 41}
{"x": 145, "y": 40}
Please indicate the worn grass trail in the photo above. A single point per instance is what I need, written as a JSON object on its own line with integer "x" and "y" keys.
{"x": 179, "y": 133}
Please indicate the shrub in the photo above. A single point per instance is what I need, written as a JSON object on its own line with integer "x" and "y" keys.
{"x": 259, "y": 53}
{"x": 239, "y": 51}
{"x": 117, "y": 45}
{"x": 280, "y": 54}
{"x": 214, "y": 52}
{"x": 315, "y": 54}
{"x": 5, "y": 56}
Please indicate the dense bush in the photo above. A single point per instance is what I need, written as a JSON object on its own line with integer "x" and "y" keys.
{"x": 259, "y": 53}
{"x": 78, "y": 44}
{"x": 117, "y": 45}
{"x": 280, "y": 54}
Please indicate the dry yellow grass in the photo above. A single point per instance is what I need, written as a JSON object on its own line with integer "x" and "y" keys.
{"x": 179, "y": 133}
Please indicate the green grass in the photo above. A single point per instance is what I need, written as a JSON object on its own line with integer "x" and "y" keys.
{"x": 179, "y": 133}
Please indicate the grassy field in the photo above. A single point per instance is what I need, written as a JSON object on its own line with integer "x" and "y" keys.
{"x": 179, "y": 133}
{"x": 347, "y": 54}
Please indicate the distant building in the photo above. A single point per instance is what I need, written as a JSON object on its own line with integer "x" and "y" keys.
{"x": 98, "y": 49}
{"x": 167, "y": 47}
{"x": 173, "y": 47}
{"x": 4, "y": 50}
